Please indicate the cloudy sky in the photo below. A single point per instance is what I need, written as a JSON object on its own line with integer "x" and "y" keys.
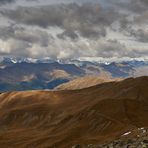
{"x": 74, "y": 28}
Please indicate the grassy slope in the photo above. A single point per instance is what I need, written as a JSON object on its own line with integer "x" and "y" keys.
{"x": 61, "y": 119}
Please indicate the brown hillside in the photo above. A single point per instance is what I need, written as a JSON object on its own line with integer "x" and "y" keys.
{"x": 84, "y": 82}
{"x": 60, "y": 119}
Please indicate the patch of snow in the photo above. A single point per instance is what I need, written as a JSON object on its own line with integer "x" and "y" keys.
{"x": 125, "y": 134}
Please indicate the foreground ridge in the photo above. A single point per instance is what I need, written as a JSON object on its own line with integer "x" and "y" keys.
{"x": 62, "y": 119}
{"x": 132, "y": 139}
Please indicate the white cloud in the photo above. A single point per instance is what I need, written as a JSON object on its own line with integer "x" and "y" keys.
{"x": 45, "y": 28}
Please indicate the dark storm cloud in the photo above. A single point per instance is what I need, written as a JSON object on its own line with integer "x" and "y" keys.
{"x": 124, "y": 23}
{"x": 70, "y": 34}
{"x": 74, "y": 28}
{"x": 89, "y": 20}
{"x": 142, "y": 18}
{"x": 145, "y": 2}
{"x": 112, "y": 48}
{"x": 135, "y": 53}
{"x": 136, "y": 6}
{"x": 25, "y": 35}
{"x": 140, "y": 35}
{"x": 6, "y": 1}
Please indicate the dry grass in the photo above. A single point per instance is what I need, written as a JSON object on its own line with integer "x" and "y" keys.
{"x": 60, "y": 119}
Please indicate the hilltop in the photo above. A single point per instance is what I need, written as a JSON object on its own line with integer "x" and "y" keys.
{"x": 65, "y": 118}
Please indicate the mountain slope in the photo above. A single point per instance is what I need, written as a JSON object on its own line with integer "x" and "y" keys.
{"x": 61, "y": 119}
{"x": 84, "y": 82}
{"x": 30, "y": 76}
{"x": 17, "y": 74}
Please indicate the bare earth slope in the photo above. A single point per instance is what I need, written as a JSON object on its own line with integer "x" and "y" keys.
{"x": 84, "y": 82}
{"x": 60, "y": 119}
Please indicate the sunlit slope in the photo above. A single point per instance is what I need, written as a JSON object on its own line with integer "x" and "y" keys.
{"x": 60, "y": 119}
{"x": 85, "y": 82}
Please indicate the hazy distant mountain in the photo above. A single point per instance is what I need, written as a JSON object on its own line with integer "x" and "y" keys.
{"x": 62, "y": 119}
{"x": 28, "y": 74}
{"x": 84, "y": 82}
{"x": 25, "y": 76}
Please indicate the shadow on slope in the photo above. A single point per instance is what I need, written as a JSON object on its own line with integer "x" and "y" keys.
{"x": 61, "y": 119}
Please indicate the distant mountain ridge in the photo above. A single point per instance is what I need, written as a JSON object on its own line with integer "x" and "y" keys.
{"x": 84, "y": 82}
{"x": 17, "y": 73}
{"x": 25, "y": 76}
{"x": 136, "y": 61}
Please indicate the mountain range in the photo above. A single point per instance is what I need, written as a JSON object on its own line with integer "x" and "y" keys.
{"x": 33, "y": 74}
{"x": 65, "y": 118}
{"x": 85, "y": 82}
